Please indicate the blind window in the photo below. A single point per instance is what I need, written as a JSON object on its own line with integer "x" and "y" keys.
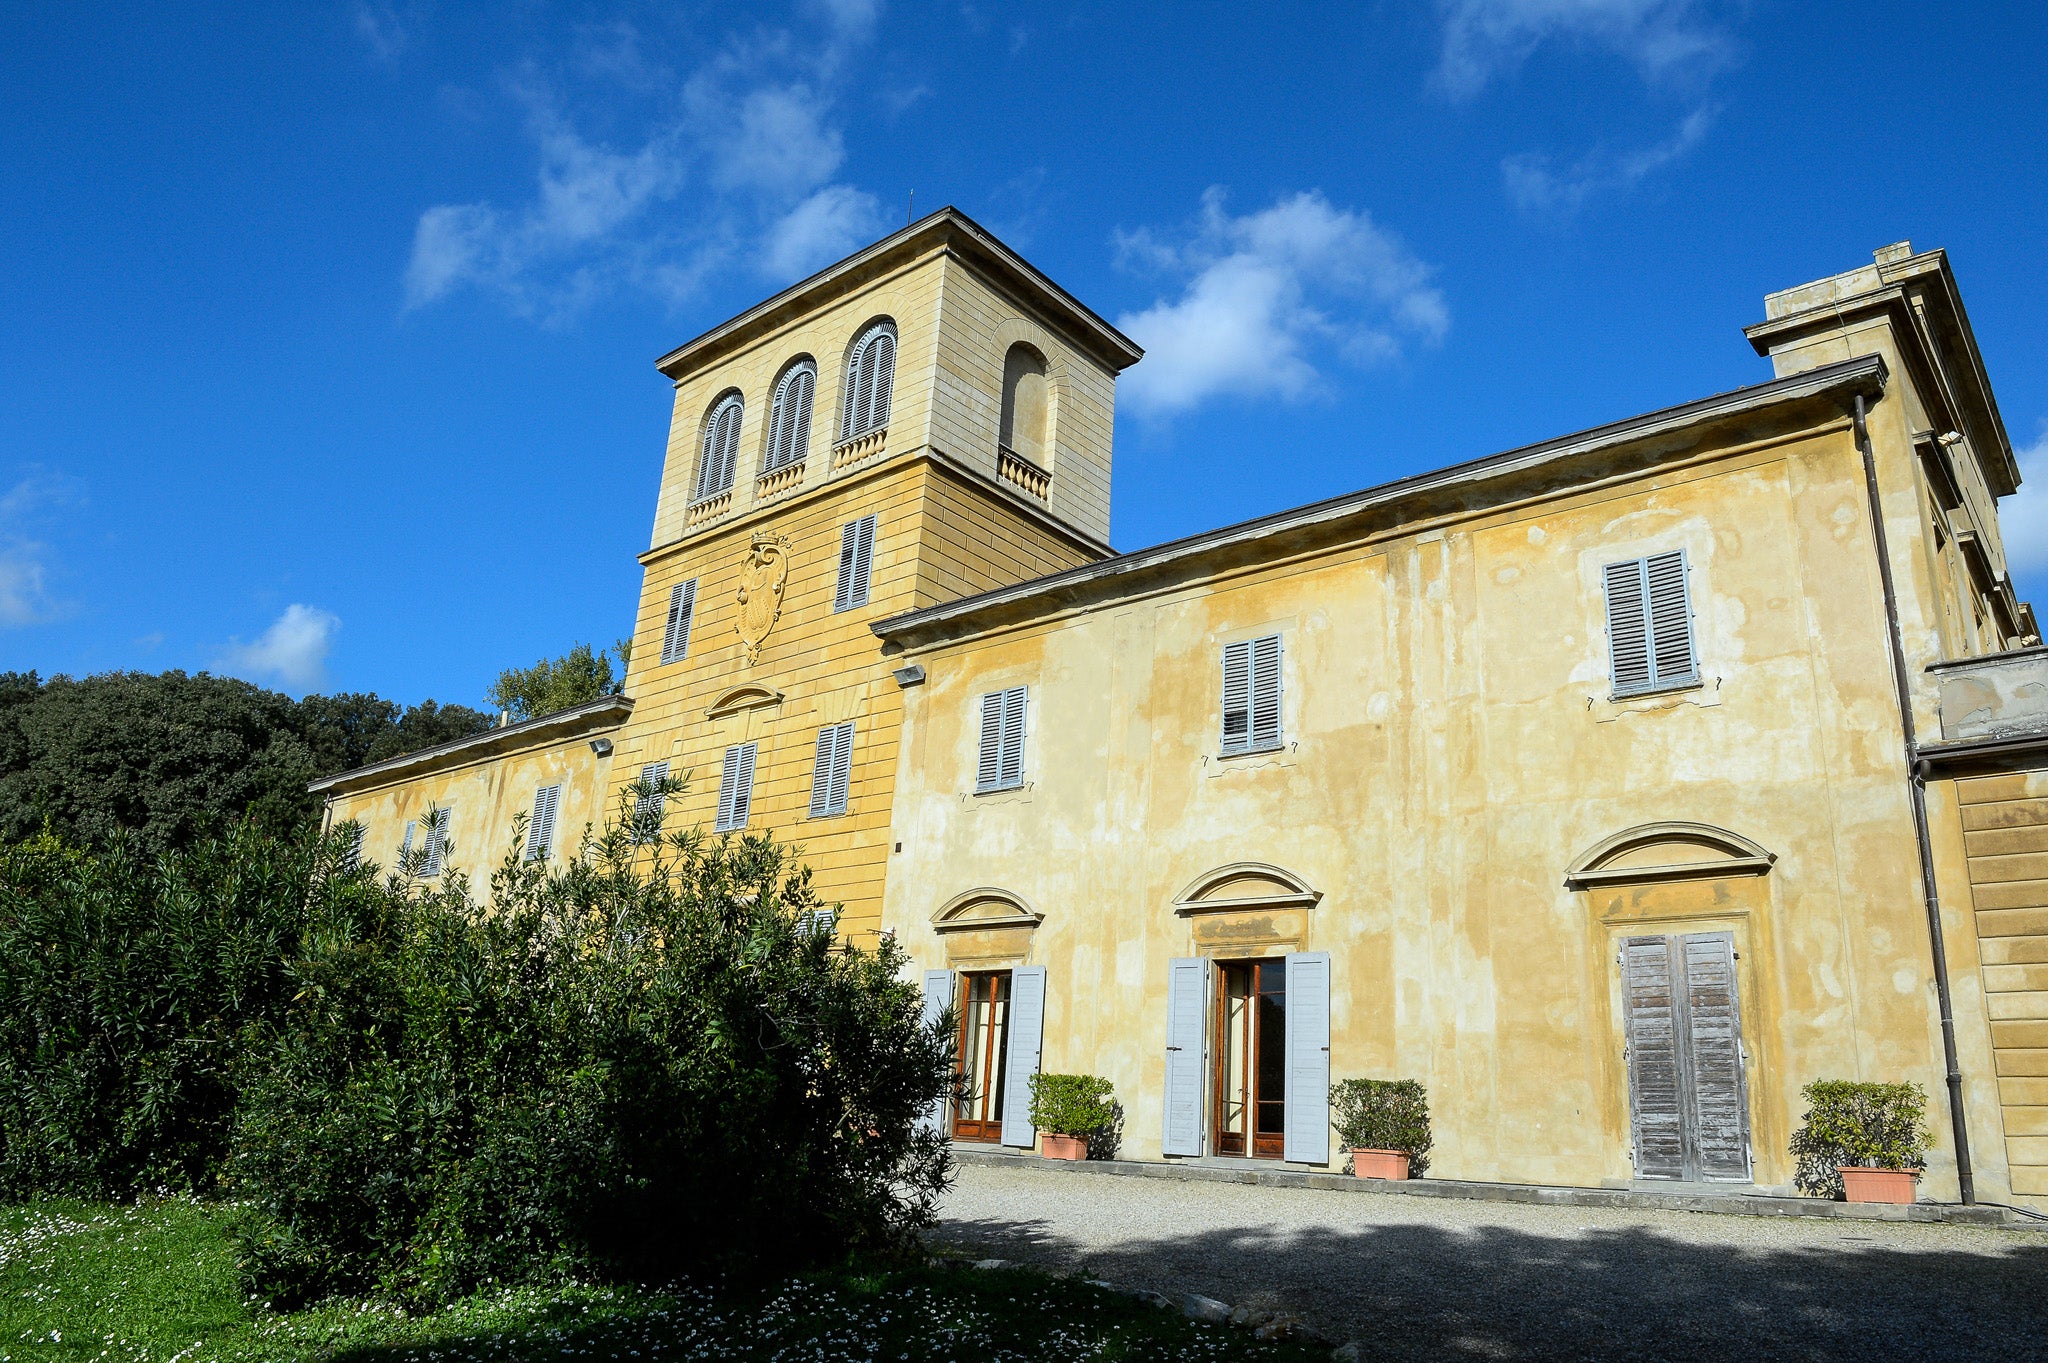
{"x": 649, "y": 804}
{"x": 789, "y": 419}
{"x": 721, "y": 447}
{"x": 1649, "y": 624}
{"x": 870, "y": 375}
{"x": 682, "y": 605}
{"x": 735, "y": 788}
{"x": 856, "y": 557}
{"x": 1001, "y": 766}
{"x": 1251, "y": 695}
{"x": 833, "y": 770}
{"x": 540, "y": 831}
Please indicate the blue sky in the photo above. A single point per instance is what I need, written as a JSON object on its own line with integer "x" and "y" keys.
{"x": 329, "y": 329}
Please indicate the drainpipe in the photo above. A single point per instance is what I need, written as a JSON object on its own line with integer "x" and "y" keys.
{"x": 1916, "y": 786}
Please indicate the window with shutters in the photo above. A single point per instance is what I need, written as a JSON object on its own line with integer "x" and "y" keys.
{"x": 437, "y": 840}
{"x": 870, "y": 376}
{"x": 735, "y": 789}
{"x": 789, "y": 416}
{"x": 651, "y": 801}
{"x": 1002, "y": 741}
{"x": 856, "y": 557}
{"x": 1649, "y": 624}
{"x": 721, "y": 452}
{"x": 540, "y": 828}
{"x": 1251, "y": 695}
{"x": 833, "y": 770}
{"x": 682, "y": 605}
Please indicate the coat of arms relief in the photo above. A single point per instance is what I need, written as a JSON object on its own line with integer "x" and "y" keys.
{"x": 762, "y": 579}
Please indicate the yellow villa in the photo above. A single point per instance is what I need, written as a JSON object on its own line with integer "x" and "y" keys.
{"x": 1615, "y": 787}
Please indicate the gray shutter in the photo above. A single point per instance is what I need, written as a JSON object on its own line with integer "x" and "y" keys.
{"x": 1307, "y": 1114}
{"x": 1670, "y": 611}
{"x": 842, "y": 768}
{"x": 884, "y": 381}
{"x": 1237, "y": 697}
{"x": 1655, "y": 1099}
{"x": 743, "y": 787}
{"x": 938, "y": 997}
{"x": 989, "y": 774}
{"x": 779, "y": 431}
{"x": 682, "y": 605}
{"x": 849, "y": 552}
{"x": 729, "y": 455}
{"x": 1012, "y": 773}
{"x": 1720, "y": 1117}
{"x": 863, "y": 387}
{"x": 540, "y": 828}
{"x": 821, "y": 773}
{"x": 1628, "y": 626}
{"x": 797, "y": 425}
{"x": 863, "y": 560}
{"x": 1027, "y": 1031}
{"x": 1187, "y": 1002}
{"x": 1265, "y": 688}
{"x": 437, "y": 840}
{"x": 405, "y": 848}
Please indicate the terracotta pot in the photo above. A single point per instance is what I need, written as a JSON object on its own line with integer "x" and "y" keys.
{"x": 1065, "y": 1147}
{"x": 1379, "y": 1163}
{"x": 1877, "y": 1185}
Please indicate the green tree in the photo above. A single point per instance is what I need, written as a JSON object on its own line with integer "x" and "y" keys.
{"x": 424, "y": 726}
{"x": 582, "y": 674}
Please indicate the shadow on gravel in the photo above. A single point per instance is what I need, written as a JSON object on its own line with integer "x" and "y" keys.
{"x": 1420, "y": 1292}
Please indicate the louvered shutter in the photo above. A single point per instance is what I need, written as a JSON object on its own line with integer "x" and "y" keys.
{"x": 1187, "y": 997}
{"x": 821, "y": 773}
{"x": 863, "y": 389}
{"x": 802, "y": 393}
{"x": 682, "y": 605}
{"x": 352, "y": 847}
{"x": 863, "y": 560}
{"x": 1628, "y": 627}
{"x": 1237, "y": 697}
{"x": 1720, "y": 1116}
{"x": 779, "y": 432}
{"x": 1306, "y": 1121}
{"x": 849, "y": 553}
{"x": 989, "y": 773}
{"x": 1027, "y": 1030}
{"x": 1671, "y": 647}
{"x": 884, "y": 347}
{"x": 842, "y": 768}
{"x": 437, "y": 840}
{"x": 729, "y": 445}
{"x": 938, "y": 997}
{"x": 540, "y": 829}
{"x": 1265, "y": 689}
{"x": 1013, "y": 737}
{"x": 1655, "y": 1099}
{"x": 743, "y": 797}
{"x": 405, "y": 848}
{"x": 735, "y": 788}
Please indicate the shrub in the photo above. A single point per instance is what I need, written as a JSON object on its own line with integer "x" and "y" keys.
{"x": 1875, "y": 1126}
{"x": 1072, "y": 1104}
{"x": 1383, "y": 1114}
{"x": 127, "y": 983}
{"x": 640, "y": 1063}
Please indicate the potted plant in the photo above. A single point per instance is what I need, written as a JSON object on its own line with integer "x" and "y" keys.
{"x": 1385, "y": 1125}
{"x": 1861, "y": 1142}
{"x": 1070, "y": 1108}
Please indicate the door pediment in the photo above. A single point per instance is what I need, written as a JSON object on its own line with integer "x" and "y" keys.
{"x": 743, "y": 698}
{"x": 1245, "y": 885}
{"x": 1670, "y": 850}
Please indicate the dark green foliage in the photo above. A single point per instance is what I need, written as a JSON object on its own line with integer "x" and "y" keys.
{"x": 582, "y": 674}
{"x": 637, "y": 1062}
{"x": 1871, "y": 1126}
{"x": 1383, "y": 1114}
{"x": 167, "y": 759}
{"x": 1072, "y": 1104}
{"x": 126, "y": 983}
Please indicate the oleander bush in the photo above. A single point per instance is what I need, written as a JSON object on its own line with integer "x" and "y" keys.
{"x": 1081, "y": 1105}
{"x": 638, "y": 1063}
{"x": 1867, "y": 1125}
{"x": 1383, "y": 1114}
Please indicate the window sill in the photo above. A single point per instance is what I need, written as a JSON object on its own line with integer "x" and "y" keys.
{"x": 1647, "y": 692}
{"x": 1704, "y": 693}
{"x": 999, "y": 790}
{"x": 1267, "y": 751}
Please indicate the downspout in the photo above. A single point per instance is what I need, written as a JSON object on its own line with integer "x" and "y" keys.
{"x": 1916, "y": 786}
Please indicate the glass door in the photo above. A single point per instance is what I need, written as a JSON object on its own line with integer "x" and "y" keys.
{"x": 1251, "y": 1058}
{"x": 983, "y": 1049}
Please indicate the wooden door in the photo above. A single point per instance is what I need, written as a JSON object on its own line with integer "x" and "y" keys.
{"x": 1688, "y": 1095}
{"x": 983, "y": 1052}
{"x": 1250, "y": 1080}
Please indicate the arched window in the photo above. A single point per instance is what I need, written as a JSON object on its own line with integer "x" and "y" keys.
{"x": 870, "y": 374}
{"x": 721, "y": 447}
{"x": 1024, "y": 394}
{"x": 789, "y": 418}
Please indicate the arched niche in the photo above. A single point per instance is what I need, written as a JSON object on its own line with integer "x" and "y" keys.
{"x": 1670, "y": 850}
{"x": 1026, "y": 403}
{"x": 743, "y": 698}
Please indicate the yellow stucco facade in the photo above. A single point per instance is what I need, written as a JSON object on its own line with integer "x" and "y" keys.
{"x": 1461, "y": 836}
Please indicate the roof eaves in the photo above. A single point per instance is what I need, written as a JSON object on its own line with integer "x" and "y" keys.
{"x": 592, "y": 714}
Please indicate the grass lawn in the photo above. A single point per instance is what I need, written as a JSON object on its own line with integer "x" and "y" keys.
{"x": 156, "y": 1282}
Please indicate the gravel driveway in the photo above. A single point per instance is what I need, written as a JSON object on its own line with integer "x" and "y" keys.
{"x": 1436, "y": 1278}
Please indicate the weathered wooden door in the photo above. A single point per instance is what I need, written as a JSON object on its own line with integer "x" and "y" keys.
{"x": 1688, "y": 1098}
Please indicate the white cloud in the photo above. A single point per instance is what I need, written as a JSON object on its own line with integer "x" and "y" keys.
{"x": 1665, "y": 39}
{"x": 736, "y": 166}
{"x": 1536, "y": 184}
{"x": 292, "y": 651}
{"x": 1267, "y": 296}
{"x": 23, "y": 598}
{"x": 2023, "y": 522}
{"x": 24, "y": 560}
{"x": 818, "y": 231}
{"x": 380, "y": 26}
